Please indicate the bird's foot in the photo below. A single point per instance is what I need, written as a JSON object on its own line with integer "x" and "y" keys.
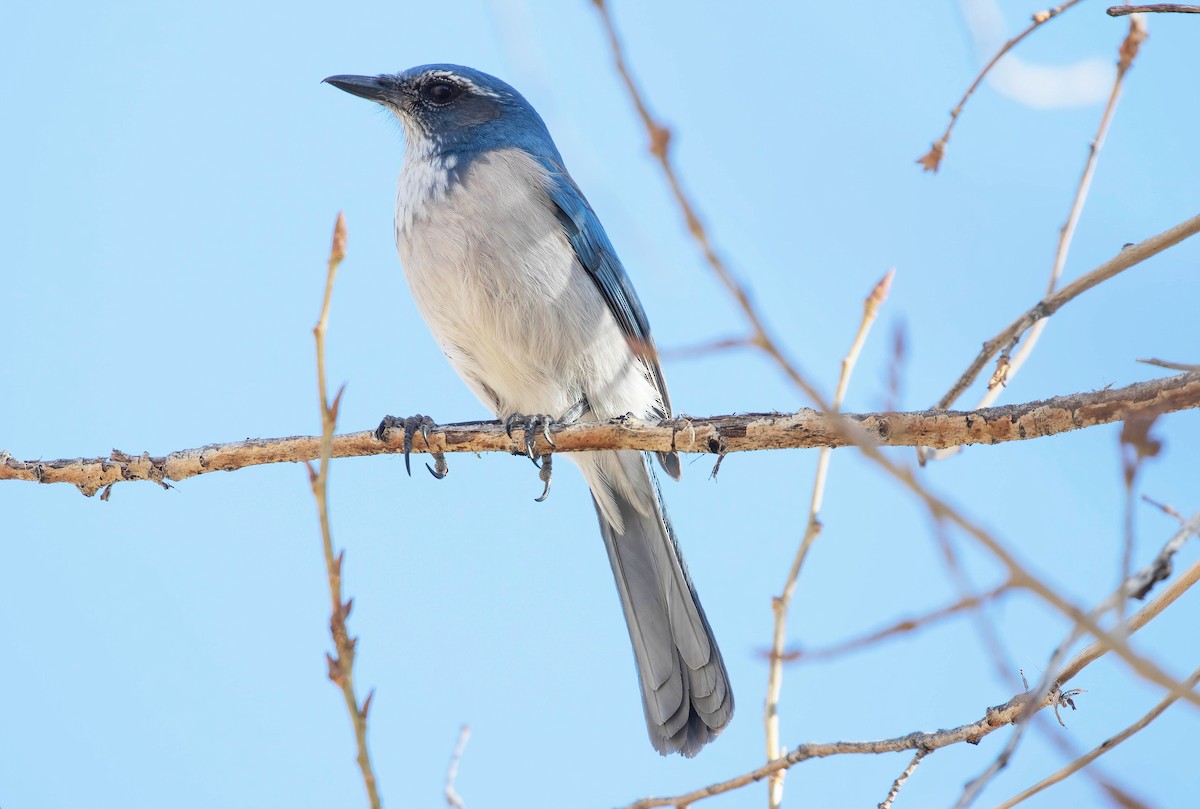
{"x": 530, "y": 427}
{"x": 411, "y": 426}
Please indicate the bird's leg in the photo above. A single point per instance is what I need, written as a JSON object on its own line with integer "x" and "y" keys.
{"x": 411, "y": 426}
{"x": 540, "y": 423}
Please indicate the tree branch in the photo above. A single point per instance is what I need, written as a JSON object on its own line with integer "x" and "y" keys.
{"x": 716, "y": 434}
{"x": 781, "y": 603}
{"x": 341, "y": 663}
{"x": 933, "y": 158}
{"x": 1006, "y": 368}
{"x": 993, "y": 719}
{"x": 904, "y": 625}
{"x": 1169, "y": 8}
{"x": 1019, "y": 707}
{"x": 1129, "y": 256}
{"x": 1095, "y": 753}
{"x": 902, "y": 779}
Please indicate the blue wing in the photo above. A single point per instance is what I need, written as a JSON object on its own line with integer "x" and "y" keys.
{"x": 599, "y": 259}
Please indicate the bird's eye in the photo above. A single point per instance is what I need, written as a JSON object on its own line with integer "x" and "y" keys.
{"x": 440, "y": 92}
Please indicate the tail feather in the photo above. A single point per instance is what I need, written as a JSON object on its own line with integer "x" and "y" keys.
{"x": 685, "y": 688}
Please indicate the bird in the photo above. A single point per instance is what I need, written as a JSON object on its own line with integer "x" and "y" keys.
{"x": 522, "y": 289}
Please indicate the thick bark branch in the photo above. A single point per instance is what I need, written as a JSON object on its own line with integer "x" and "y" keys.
{"x": 716, "y": 434}
{"x": 1169, "y": 8}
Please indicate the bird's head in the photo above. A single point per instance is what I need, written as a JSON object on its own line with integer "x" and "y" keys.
{"x": 450, "y": 108}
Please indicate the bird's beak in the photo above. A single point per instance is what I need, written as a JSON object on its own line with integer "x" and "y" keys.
{"x": 384, "y": 89}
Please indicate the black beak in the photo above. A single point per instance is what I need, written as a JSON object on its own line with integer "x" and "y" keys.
{"x": 383, "y": 89}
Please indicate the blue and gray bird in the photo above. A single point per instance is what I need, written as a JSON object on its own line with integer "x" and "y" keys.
{"x": 524, "y": 292}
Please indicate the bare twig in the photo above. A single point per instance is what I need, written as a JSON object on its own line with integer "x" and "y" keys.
{"x": 1174, "y": 366}
{"x": 969, "y": 602}
{"x": 933, "y": 158}
{"x": 660, "y": 140}
{"x": 1145, "y": 615}
{"x": 702, "y": 349}
{"x": 1022, "y": 577}
{"x": 1052, "y": 686}
{"x": 1169, "y": 8}
{"x": 903, "y": 626}
{"x": 936, "y": 506}
{"x": 1137, "y": 444}
{"x": 341, "y": 663}
{"x": 993, "y": 644}
{"x": 1008, "y": 367}
{"x": 718, "y": 434}
{"x": 902, "y": 778}
{"x": 1165, "y": 508}
{"x": 989, "y": 636}
{"x": 1130, "y": 256}
{"x": 1119, "y": 795}
{"x": 781, "y": 603}
{"x": 993, "y": 719}
{"x": 1141, "y": 583}
{"x": 1099, "y": 750}
{"x": 452, "y": 796}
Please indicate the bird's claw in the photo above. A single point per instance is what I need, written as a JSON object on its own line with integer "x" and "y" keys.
{"x": 544, "y": 475}
{"x": 411, "y": 426}
{"x": 530, "y": 427}
{"x": 440, "y": 468}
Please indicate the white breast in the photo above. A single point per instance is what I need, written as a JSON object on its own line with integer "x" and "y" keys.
{"x": 499, "y": 286}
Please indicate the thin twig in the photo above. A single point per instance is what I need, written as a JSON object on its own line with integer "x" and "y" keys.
{"x": 660, "y": 140}
{"x": 703, "y": 349}
{"x": 1165, "y": 508}
{"x": 926, "y": 620}
{"x": 1099, "y": 750}
{"x": 1024, "y": 578}
{"x": 1169, "y": 8}
{"x": 781, "y": 603}
{"x": 936, "y": 506}
{"x": 994, "y": 718}
{"x": 1119, "y": 795}
{"x": 993, "y": 644}
{"x": 902, "y": 626}
{"x": 716, "y": 434}
{"x": 1007, "y": 368}
{"x": 452, "y": 796}
{"x": 1051, "y": 686}
{"x": 1174, "y": 366}
{"x": 933, "y": 158}
{"x": 989, "y": 635}
{"x": 1139, "y": 586}
{"x": 341, "y": 663}
{"x": 902, "y": 778}
{"x": 1129, "y": 256}
{"x": 1136, "y": 446}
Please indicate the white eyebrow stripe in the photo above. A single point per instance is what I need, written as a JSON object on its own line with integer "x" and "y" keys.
{"x": 463, "y": 80}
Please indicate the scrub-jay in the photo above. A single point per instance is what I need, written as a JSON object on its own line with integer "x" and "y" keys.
{"x": 523, "y": 291}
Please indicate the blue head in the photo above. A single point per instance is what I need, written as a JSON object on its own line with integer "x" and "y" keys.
{"x": 450, "y": 109}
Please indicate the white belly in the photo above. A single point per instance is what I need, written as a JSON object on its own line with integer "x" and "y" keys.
{"x": 499, "y": 286}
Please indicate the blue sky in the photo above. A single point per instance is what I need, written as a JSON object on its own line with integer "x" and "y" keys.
{"x": 171, "y": 176}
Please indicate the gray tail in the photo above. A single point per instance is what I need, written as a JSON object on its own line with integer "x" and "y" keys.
{"x": 685, "y": 688}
